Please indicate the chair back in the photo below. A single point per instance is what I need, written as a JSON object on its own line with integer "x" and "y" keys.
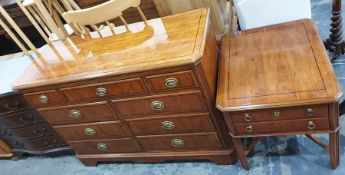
{"x": 259, "y": 13}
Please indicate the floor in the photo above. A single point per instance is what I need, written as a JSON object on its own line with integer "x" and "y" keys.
{"x": 294, "y": 155}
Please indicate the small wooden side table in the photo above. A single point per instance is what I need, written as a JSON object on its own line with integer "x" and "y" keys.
{"x": 278, "y": 80}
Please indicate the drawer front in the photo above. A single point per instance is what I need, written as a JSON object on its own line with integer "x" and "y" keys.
{"x": 20, "y": 119}
{"x": 172, "y": 81}
{"x": 100, "y": 130}
{"x": 44, "y": 143}
{"x": 205, "y": 141}
{"x": 105, "y": 146}
{"x": 163, "y": 125}
{"x": 12, "y": 103}
{"x": 163, "y": 104}
{"x": 44, "y": 98}
{"x": 37, "y": 130}
{"x": 301, "y": 112}
{"x": 282, "y": 126}
{"x": 92, "y": 112}
{"x": 105, "y": 90}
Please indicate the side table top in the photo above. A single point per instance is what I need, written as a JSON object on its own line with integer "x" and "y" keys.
{"x": 275, "y": 66}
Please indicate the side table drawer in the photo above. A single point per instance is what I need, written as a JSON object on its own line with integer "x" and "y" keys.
{"x": 92, "y": 112}
{"x": 162, "y": 104}
{"x": 202, "y": 141}
{"x": 282, "y": 126}
{"x": 90, "y": 131}
{"x": 44, "y": 98}
{"x": 105, "y": 146}
{"x": 172, "y": 81}
{"x": 300, "y": 112}
{"x": 104, "y": 90}
{"x": 173, "y": 124}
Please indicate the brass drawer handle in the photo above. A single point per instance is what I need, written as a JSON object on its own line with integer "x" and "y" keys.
{"x": 43, "y": 99}
{"x": 168, "y": 125}
{"x": 157, "y": 105}
{"x": 247, "y": 117}
{"x": 309, "y": 111}
{"x": 276, "y": 113}
{"x": 171, "y": 82}
{"x": 101, "y": 91}
{"x": 311, "y": 125}
{"x": 75, "y": 114}
{"x": 89, "y": 132}
{"x": 102, "y": 147}
{"x": 177, "y": 142}
{"x": 249, "y": 128}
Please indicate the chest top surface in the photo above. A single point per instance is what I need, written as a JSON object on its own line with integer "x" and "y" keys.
{"x": 167, "y": 41}
{"x": 275, "y": 66}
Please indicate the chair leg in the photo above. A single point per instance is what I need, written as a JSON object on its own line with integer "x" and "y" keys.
{"x": 142, "y": 15}
{"x": 124, "y": 22}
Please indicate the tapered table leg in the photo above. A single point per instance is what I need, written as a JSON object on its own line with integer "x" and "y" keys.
{"x": 240, "y": 153}
{"x": 334, "y": 149}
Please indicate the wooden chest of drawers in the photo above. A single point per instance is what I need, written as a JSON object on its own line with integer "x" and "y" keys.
{"x": 24, "y": 130}
{"x": 149, "y": 102}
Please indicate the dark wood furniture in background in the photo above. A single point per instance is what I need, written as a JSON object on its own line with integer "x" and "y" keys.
{"x": 286, "y": 87}
{"x": 25, "y": 131}
{"x": 146, "y": 96}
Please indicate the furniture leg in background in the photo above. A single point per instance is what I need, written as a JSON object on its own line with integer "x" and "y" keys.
{"x": 5, "y": 150}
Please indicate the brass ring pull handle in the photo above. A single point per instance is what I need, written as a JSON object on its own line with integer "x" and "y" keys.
{"x": 89, "y": 132}
{"x": 247, "y": 117}
{"x": 311, "y": 125}
{"x": 171, "y": 82}
{"x": 102, "y": 147}
{"x": 157, "y": 105}
{"x": 249, "y": 128}
{"x": 177, "y": 142}
{"x": 75, "y": 114}
{"x": 101, "y": 91}
{"x": 276, "y": 113}
{"x": 43, "y": 99}
{"x": 309, "y": 111}
{"x": 168, "y": 125}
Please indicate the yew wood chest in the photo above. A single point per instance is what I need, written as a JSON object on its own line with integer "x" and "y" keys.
{"x": 146, "y": 95}
{"x": 278, "y": 80}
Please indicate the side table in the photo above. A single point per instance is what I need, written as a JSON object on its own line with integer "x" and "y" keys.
{"x": 278, "y": 80}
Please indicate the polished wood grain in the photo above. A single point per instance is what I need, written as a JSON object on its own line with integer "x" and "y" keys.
{"x": 274, "y": 67}
{"x": 53, "y": 98}
{"x": 114, "y": 146}
{"x": 113, "y": 89}
{"x": 200, "y": 141}
{"x": 278, "y": 80}
{"x": 78, "y": 59}
{"x": 184, "y": 80}
{"x": 181, "y": 124}
{"x": 300, "y": 112}
{"x": 173, "y": 103}
{"x": 103, "y": 130}
{"x": 90, "y": 112}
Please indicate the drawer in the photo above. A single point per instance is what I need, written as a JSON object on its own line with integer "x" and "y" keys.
{"x": 12, "y": 103}
{"x": 32, "y": 131}
{"x": 160, "y": 104}
{"x": 20, "y": 119}
{"x": 43, "y": 143}
{"x": 172, "y": 81}
{"x": 173, "y": 124}
{"x": 105, "y": 146}
{"x": 300, "y": 112}
{"x": 105, "y": 90}
{"x": 44, "y": 98}
{"x": 282, "y": 126}
{"x": 100, "y": 130}
{"x": 92, "y": 112}
{"x": 203, "y": 141}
